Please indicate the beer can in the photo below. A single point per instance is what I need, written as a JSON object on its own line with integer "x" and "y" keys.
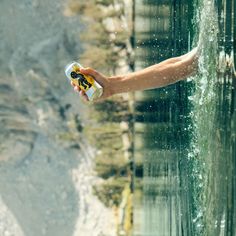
{"x": 85, "y": 82}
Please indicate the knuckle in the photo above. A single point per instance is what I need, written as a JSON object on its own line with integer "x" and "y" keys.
{"x": 92, "y": 71}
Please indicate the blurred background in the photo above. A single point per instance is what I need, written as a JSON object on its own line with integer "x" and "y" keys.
{"x": 157, "y": 162}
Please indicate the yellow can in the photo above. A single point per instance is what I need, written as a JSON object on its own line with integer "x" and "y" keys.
{"x": 86, "y": 83}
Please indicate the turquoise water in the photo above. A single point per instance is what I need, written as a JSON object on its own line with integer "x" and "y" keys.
{"x": 184, "y": 140}
{"x": 185, "y": 133}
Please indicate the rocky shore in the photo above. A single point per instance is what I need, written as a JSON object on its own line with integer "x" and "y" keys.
{"x": 46, "y": 163}
{"x": 110, "y": 50}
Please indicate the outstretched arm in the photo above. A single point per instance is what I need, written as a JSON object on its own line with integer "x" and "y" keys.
{"x": 159, "y": 75}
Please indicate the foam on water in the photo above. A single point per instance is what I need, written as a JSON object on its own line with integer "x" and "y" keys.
{"x": 208, "y": 146}
{"x": 203, "y": 100}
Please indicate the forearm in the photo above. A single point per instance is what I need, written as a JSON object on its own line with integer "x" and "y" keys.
{"x": 167, "y": 72}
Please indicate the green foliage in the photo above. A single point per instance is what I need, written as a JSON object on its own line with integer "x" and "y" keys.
{"x": 111, "y": 163}
{"x": 118, "y": 111}
{"x": 106, "y": 135}
{"x": 105, "y": 2}
{"x": 111, "y": 105}
{"x": 110, "y": 192}
{"x": 102, "y": 41}
{"x": 76, "y": 7}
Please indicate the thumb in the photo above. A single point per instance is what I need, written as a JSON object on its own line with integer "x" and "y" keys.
{"x": 89, "y": 71}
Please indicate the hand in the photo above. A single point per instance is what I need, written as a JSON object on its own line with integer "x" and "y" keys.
{"x": 101, "y": 79}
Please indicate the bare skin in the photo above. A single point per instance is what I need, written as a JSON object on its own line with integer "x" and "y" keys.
{"x": 159, "y": 75}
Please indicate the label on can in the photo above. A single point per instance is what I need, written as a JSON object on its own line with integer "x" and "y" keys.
{"x": 85, "y": 82}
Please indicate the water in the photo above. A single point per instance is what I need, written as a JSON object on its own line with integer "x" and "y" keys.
{"x": 185, "y": 133}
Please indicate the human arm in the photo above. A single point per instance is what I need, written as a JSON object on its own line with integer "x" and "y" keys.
{"x": 159, "y": 75}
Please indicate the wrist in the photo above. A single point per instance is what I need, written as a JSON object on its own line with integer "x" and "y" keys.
{"x": 115, "y": 84}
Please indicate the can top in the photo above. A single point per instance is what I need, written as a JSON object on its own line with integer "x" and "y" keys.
{"x": 70, "y": 68}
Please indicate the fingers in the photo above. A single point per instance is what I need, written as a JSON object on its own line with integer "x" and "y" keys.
{"x": 89, "y": 71}
{"x": 77, "y": 89}
{"x": 83, "y": 95}
{"x": 81, "y": 92}
{"x": 74, "y": 85}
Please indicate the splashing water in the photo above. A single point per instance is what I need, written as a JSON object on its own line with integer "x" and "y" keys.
{"x": 192, "y": 193}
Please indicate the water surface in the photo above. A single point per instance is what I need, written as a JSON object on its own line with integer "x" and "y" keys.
{"x": 185, "y": 133}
